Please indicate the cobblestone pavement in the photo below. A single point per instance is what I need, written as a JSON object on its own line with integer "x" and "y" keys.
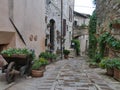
{"x": 72, "y": 74}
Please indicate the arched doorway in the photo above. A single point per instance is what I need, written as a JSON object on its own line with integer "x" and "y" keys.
{"x": 52, "y": 30}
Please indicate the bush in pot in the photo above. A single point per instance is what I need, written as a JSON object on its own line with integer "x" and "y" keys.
{"x": 110, "y": 64}
{"x": 117, "y": 69}
{"x": 49, "y": 56}
{"x": 66, "y": 53}
{"x": 102, "y": 63}
{"x": 38, "y": 67}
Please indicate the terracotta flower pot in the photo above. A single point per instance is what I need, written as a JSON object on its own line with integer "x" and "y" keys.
{"x": 110, "y": 71}
{"x": 37, "y": 73}
{"x": 117, "y": 74}
{"x": 66, "y": 56}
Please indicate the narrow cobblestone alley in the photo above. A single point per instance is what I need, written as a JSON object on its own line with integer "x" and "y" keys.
{"x": 72, "y": 74}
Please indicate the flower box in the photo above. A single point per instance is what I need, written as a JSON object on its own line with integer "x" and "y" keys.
{"x": 15, "y": 56}
{"x": 117, "y": 74}
{"x": 110, "y": 71}
{"x": 37, "y": 73}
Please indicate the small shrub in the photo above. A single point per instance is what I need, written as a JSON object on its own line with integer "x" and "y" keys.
{"x": 66, "y": 52}
{"x": 48, "y": 55}
{"x": 102, "y": 64}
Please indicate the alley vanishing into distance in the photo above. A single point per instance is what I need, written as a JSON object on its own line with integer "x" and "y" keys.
{"x": 72, "y": 74}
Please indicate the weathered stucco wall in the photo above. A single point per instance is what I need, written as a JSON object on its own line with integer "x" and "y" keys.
{"x": 29, "y": 19}
{"x": 7, "y": 31}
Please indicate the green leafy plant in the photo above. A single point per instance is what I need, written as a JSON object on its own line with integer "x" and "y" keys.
{"x": 92, "y": 38}
{"x": 102, "y": 64}
{"x": 110, "y": 63}
{"x": 48, "y": 55}
{"x": 76, "y": 45}
{"x": 66, "y": 52}
{"x": 12, "y": 51}
{"x": 117, "y": 63}
{"x": 43, "y": 61}
{"x": 38, "y": 63}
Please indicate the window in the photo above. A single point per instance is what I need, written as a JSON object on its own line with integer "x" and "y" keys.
{"x": 70, "y": 14}
{"x": 75, "y": 23}
{"x": 64, "y": 27}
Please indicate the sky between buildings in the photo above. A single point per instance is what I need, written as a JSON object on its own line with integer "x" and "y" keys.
{"x": 84, "y": 6}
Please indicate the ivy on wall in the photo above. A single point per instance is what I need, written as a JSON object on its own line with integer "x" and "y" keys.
{"x": 108, "y": 39}
{"x": 92, "y": 38}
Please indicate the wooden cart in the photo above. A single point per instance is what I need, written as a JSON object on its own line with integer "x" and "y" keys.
{"x": 17, "y": 64}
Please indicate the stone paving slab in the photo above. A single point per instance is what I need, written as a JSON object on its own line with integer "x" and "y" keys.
{"x": 72, "y": 74}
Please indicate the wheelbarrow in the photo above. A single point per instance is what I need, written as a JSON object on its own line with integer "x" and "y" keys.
{"x": 16, "y": 64}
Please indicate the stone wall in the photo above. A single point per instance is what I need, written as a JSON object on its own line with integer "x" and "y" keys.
{"x": 53, "y": 12}
{"x": 107, "y": 12}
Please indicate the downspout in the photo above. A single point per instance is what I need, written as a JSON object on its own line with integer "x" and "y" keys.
{"x": 61, "y": 28}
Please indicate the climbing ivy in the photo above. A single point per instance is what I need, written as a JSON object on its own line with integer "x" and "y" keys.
{"x": 92, "y": 38}
{"x": 108, "y": 39}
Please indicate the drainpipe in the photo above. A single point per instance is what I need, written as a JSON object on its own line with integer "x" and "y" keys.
{"x": 61, "y": 28}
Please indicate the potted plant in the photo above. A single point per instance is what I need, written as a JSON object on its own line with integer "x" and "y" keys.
{"x": 16, "y": 52}
{"x": 102, "y": 63}
{"x": 117, "y": 70}
{"x": 49, "y": 56}
{"x": 110, "y": 64}
{"x": 66, "y": 53}
{"x": 38, "y": 67}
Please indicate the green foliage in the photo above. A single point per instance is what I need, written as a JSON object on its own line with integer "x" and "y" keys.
{"x": 76, "y": 45}
{"x": 107, "y": 38}
{"x": 43, "y": 61}
{"x": 38, "y": 63}
{"x": 92, "y": 38}
{"x": 110, "y": 63}
{"x": 48, "y": 55}
{"x": 66, "y": 52}
{"x": 12, "y": 51}
{"x": 102, "y": 64}
{"x": 117, "y": 63}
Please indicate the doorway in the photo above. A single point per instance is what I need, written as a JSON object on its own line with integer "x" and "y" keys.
{"x": 52, "y": 31}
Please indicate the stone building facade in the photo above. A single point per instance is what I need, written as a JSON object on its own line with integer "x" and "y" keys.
{"x": 108, "y": 11}
{"x": 54, "y": 10}
{"x": 23, "y": 22}
{"x": 80, "y": 31}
